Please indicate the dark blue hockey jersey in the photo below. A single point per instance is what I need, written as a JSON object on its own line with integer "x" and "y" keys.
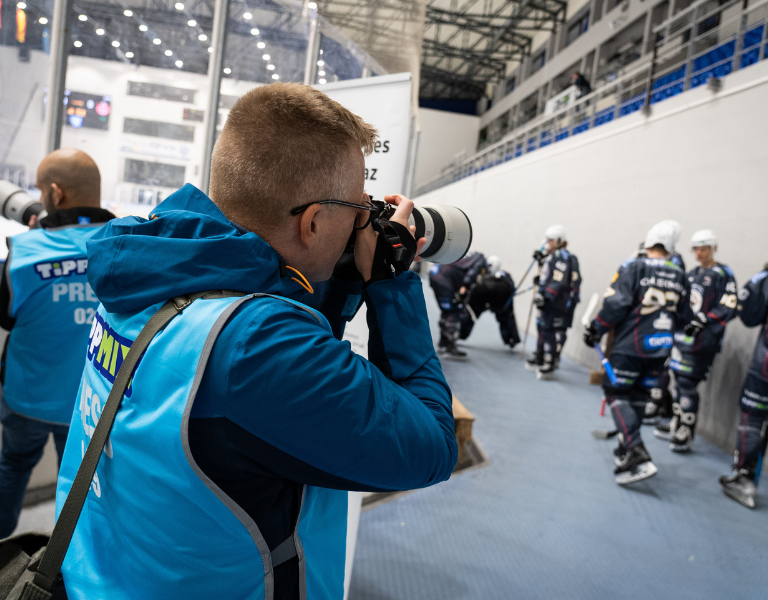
{"x": 713, "y": 292}
{"x": 559, "y": 281}
{"x": 645, "y": 304}
{"x": 465, "y": 272}
{"x": 753, "y": 310}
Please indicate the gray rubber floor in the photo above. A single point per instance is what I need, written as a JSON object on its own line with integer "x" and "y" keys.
{"x": 545, "y": 518}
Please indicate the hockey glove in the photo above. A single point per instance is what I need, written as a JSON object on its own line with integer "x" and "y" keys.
{"x": 540, "y": 301}
{"x": 536, "y": 280}
{"x": 539, "y": 256}
{"x": 694, "y": 328}
{"x": 591, "y": 336}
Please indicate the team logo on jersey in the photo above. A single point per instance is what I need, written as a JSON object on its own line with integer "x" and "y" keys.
{"x": 107, "y": 350}
{"x": 663, "y": 323}
{"x": 657, "y": 341}
{"x": 696, "y": 299}
{"x": 62, "y": 268}
{"x": 707, "y": 281}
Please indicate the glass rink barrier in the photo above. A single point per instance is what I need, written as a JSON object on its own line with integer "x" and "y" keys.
{"x": 706, "y": 41}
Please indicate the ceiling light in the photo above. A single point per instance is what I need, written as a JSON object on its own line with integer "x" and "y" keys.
{"x": 321, "y": 50}
{"x": 143, "y": 27}
{"x": 265, "y": 56}
{"x": 320, "y": 63}
{"x": 42, "y": 21}
{"x": 321, "y": 73}
{"x": 179, "y": 64}
{"x": 227, "y": 70}
{"x": 128, "y": 13}
{"x": 100, "y": 31}
{"x": 116, "y": 44}
{"x": 192, "y": 23}
{"x": 261, "y": 45}
{"x": 312, "y": 6}
{"x": 21, "y": 5}
{"x": 210, "y": 49}
{"x": 78, "y": 44}
{"x": 157, "y": 41}
{"x": 129, "y": 55}
{"x": 275, "y": 76}
{"x": 202, "y": 37}
{"x": 179, "y": 6}
{"x": 83, "y": 18}
{"x": 254, "y": 31}
{"x": 247, "y": 16}
{"x": 321, "y": 81}
{"x": 271, "y": 67}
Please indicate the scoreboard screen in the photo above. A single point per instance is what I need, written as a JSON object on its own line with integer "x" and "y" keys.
{"x": 87, "y": 110}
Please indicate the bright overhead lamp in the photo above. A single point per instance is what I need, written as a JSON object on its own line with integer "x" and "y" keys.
{"x": 128, "y": 12}
{"x": 320, "y": 63}
{"x": 247, "y": 16}
{"x": 321, "y": 51}
{"x": 321, "y": 73}
{"x": 254, "y": 31}
{"x": 100, "y": 31}
{"x": 129, "y": 55}
{"x": 266, "y": 56}
{"x": 270, "y": 67}
{"x": 143, "y": 27}
{"x": 83, "y": 18}
{"x": 157, "y": 41}
{"x": 21, "y": 5}
{"x": 78, "y": 44}
{"x": 227, "y": 70}
{"x": 192, "y": 23}
{"x": 179, "y": 64}
{"x": 169, "y": 53}
{"x": 275, "y": 76}
{"x": 202, "y": 37}
{"x": 42, "y": 21}
{"x": 321, "y": 81}
{"x": 210, "y": 49}
{"x": 261, "y": 45}
{"x": 312, "y": 5}
{"x": 179, "y": 6}
{"x": 115, "y": 44}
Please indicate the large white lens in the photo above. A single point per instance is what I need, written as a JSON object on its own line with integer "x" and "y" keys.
{"x": 447, "y": 229}
{"x": 16, "y": 204}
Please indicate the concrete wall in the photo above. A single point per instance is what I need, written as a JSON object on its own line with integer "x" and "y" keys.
{"x": 699, "y": 159}
{"x": 443, "y": 135}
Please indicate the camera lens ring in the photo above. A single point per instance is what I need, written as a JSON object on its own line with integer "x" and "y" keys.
{"x": 438, "y": 237}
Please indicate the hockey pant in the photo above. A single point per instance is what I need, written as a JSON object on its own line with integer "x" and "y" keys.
{"x": 508, "y": 327}
{"x": 451, "y": 310}
{"x": 636, "y": 378}
{"x": 552, "y": 333}
{"x": 690, "y": 369}
{"x": 753, "y": 423}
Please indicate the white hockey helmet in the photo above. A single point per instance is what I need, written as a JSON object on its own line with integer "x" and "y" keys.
{"x": 493, "y": 263}
{"x": 704, "y": 237}
{"x": 675, "y": 228}
{"x": 556, "y": 232}
{"x": 661, "y": 234}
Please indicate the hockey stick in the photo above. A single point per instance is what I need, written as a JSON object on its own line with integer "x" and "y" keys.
{"x": 528, "y": 270}
{"x": 599, "y": 434}
{"x": 521, "y": 292}
{"x": 586, "y": 319}
{"x": 528, "y": 322}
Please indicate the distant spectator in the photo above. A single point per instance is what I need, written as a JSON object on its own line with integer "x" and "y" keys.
{"x": 581, "y": 83}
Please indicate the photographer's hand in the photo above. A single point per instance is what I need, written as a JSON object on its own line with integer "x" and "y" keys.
{"x": 402, "y": 214}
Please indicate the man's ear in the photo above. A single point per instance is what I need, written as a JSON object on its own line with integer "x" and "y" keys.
{"x": 57, "y": 195}
{"x": 308, "y": 228}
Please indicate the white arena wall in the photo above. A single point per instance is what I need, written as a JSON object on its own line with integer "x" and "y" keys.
{"x": 700, "y": 159}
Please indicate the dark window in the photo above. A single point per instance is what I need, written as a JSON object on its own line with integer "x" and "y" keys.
{"x": 153, "y": 173}
{"x": 578, "y": 27}
{"x": 226, "y": 101}
{"x": 538, "y": 61}
{"x": 190, "y": 114}
{"x": 161, "y": 92}
{"x": 483, "y": 136}
{"x": 709, "y": 23}
{"x": 511, "y": 82}
{"x": 169, "y": 131}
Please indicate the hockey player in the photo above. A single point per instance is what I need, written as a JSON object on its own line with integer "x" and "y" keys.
{"x": 557, "y": 294}
{"x": 752, "y": 437}
{"x": 494, "y": 292}
{"x": 450, "y": 284}
{"x": 644, "y": 305}
{"x": 713, "y": 303}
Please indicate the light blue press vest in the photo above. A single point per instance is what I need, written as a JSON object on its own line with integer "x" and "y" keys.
{"x": 154, "y": 525}
{"x": 53, "y": 306}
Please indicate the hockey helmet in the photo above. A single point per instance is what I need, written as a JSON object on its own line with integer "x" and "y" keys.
{"x": 704, "y": 237}
{"x": 556, "y": 232}
{"x": 662, "y": 234}
{"x": 494, "y": 264}
{"x": 675, "y": 228}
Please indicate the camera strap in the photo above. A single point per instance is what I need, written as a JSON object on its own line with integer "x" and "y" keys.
{"x": 395, "y": 250}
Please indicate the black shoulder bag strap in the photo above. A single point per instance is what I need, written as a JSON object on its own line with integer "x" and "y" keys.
{"x": 50, "y": 564}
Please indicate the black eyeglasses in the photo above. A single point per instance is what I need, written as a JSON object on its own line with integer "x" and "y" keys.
{"x": 367, "y": 206}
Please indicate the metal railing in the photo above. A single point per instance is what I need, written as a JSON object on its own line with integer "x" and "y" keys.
{"x": 706, "y": 40}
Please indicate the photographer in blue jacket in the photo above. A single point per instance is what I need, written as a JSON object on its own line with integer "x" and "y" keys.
{"x": 246, "y": 422}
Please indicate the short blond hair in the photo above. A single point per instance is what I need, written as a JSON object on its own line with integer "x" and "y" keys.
{"x": 283, "y": 145}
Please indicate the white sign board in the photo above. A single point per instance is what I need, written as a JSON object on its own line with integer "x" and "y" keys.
{"x": 384, "y": 102}
{"x": 563, "y": 99}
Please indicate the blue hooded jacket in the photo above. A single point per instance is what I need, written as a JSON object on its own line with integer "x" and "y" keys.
{"x": 282, "y": 402}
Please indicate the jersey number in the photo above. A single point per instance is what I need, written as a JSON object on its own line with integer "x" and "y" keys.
{"x": 729, "y": 300}
{"x": 84, "y": 315}
{"x": 655, "y": 299}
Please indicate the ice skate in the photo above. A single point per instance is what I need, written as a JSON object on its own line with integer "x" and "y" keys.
{"x": 681, "y": 439}
{"x": 546, "y": 372}
{"x": 634, "y": 465}
{"x": 534, "y": 364}
{"x": 740, "y": 487}
{"x": 450, "y": 349}
{"x": 651, "y": 413}
{"x": 663, "y": 430}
